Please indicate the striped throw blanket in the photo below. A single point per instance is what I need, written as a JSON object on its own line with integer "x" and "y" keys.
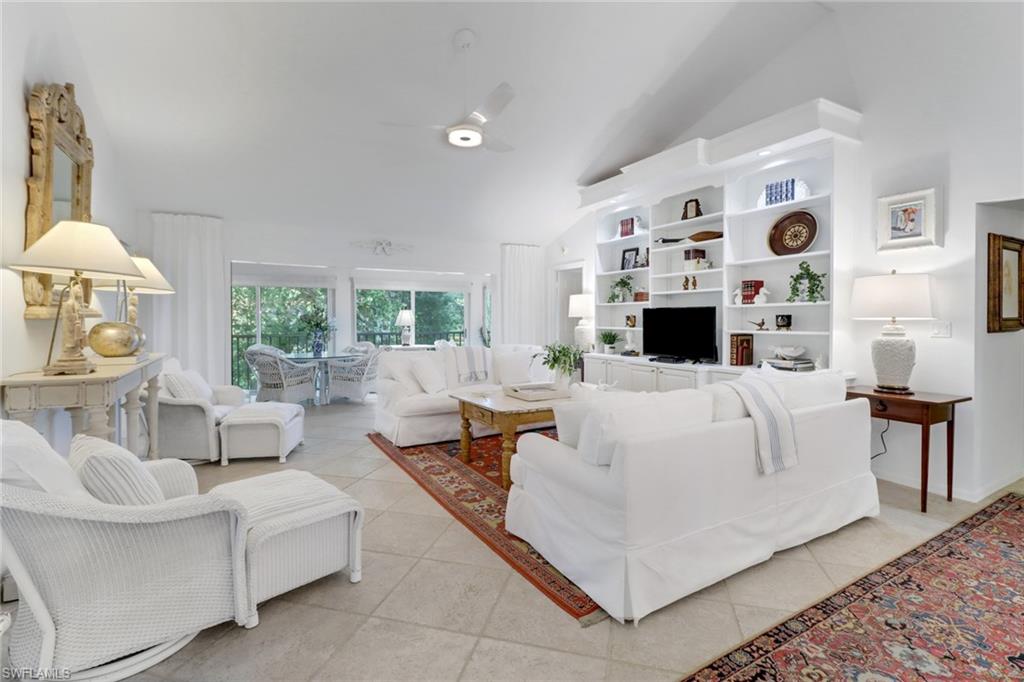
{"x": 470, "y": 364}
{"x": 774, "y": 432}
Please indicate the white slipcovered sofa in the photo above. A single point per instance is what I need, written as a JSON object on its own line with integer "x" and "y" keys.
{"x": 119, "y": 562}
{"x": 682, "y": 505}
{"x": 413, "y": 404}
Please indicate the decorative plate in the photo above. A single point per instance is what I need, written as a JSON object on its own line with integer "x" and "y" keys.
{"x": 793, "y": 233}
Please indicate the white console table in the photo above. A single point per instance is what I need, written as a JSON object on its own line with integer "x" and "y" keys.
{"x": 91, "y": 399}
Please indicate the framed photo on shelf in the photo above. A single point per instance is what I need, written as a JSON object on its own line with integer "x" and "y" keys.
{"x": 627, "y": 227}
{"x": 1005, "y": 283}
{"x": 629, "y": 258}
{"x": 630, "y": 321}
{"x": 907, "y": 220}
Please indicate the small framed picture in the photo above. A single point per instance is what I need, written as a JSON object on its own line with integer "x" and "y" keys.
{"x": 630, "y": 320}
{"x": 1005, "y": 283}
{"x": 629, "y": 258}
{"x": 907, "y": 220}
{"x": 691, "y": 209}
{"x": 783, "y": 323}
{"x": 627, "y": 227}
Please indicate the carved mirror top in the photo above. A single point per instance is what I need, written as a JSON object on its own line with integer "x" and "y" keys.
{"x": 57, "y": 131}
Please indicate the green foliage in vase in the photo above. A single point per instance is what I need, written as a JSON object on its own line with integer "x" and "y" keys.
{"x": 815, "y": 284}
{"x": 316, "y": 320}
{"x": 562, "y": 358}
{"x": 609, "y": 338}
{"x": 621, "y": 290}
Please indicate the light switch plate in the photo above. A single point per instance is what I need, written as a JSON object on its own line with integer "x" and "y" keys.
{"x": 942, "y": 329}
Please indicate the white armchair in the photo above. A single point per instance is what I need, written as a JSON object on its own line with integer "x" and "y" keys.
{"x": 353, "y": 378}
{"x": 279, "y": 378}
{"x": 188, "y": 426}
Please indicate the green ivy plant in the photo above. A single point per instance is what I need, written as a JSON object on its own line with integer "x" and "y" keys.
{"x": 609, "y": 338}
{"x": 815, "y": 284}
{"x": 622, "y": 289}
{"x": 562, "y": 358}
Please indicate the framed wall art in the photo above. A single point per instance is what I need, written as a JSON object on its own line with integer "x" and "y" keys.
{"x": 907, "y": 220}
{"x": 1005, "y": 283}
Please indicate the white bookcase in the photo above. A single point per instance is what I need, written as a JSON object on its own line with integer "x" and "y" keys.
{"x": 729, "y": 203}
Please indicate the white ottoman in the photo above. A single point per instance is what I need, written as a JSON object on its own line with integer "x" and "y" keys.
{"x": 261, "y": 430}
{"x": 300, "y": 529}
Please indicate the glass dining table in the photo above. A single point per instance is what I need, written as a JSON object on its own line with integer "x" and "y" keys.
{"x": 324, "y": 376}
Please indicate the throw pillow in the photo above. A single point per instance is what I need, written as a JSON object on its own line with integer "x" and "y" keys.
{"x": 427, "y": 374}
{"x": 726, "y": 403}
{"x": 29, "y": 462}
{"x": 466, "y": 365}
{"x": 188, "y": 385}
{"x": 111, "y": 473}
{"x": 402, "y": 373}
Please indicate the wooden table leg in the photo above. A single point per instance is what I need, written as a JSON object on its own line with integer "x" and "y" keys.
{"x": 466, "y": 439}
{"x": 925, "y": 451}
{"x": 508, "y": 448}
{"x": 950, "y": 431}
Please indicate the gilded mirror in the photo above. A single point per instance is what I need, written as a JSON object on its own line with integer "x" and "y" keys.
{"x": 60, "y": 186}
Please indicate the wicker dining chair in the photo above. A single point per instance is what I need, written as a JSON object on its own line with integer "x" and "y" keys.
{"x": 279, "y": 378}
{"x": 354, "y": 378}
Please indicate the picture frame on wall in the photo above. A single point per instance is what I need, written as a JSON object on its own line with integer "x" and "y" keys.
{"x": 907, "y": 220}
{"x": 1005, "y": 283}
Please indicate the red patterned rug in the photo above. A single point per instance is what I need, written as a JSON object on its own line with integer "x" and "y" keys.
{"x": 473, "y": 494}
{"x": 951, "y": 609}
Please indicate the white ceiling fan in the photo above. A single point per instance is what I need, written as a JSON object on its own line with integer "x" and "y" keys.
{"x": 472, "y": 130}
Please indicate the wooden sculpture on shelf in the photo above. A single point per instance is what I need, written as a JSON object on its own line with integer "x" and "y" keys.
{"x": 760, "y": 325}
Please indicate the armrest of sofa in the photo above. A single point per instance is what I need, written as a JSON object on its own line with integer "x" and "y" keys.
{"x": 229, "y": 395}
{"x": 175, "y": 477}
{"x": 562, "y": 465}
{"x": 389, "y": 392}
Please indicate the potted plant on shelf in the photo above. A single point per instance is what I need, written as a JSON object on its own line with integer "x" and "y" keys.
{"x": 806, "y": 285}
{"x": 609, "y": 339}
{"x": 562, "y": 359}
{"x": 621, "y": 290}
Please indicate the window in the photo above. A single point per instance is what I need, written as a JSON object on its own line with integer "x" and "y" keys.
{"x": 437, "y": 315}
{"x": 274, "y": 316}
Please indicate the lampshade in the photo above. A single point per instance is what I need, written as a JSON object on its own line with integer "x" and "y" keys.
{"x": 581, "y": 305}
{"x": 883, "y": 297}
{"x": 404, "y": 318}
{"x": 71, "y": 246}
{"x": 154, "y": 282}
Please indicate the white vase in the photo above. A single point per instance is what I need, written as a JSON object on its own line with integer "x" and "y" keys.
{"x": 611, "y": 349}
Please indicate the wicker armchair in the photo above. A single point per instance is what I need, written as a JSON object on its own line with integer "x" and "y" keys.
{"x": 355, "y": 377}
{"x": 281, "y": 379}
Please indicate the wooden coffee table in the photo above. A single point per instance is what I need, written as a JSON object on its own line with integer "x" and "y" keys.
{"x": 497, "y": 410}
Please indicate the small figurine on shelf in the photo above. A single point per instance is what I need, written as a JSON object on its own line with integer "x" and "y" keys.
{"x": 760, "y": 325}
{"x": 737, "y": 297}
{"x": 686, "y": 283}
{"x": 630, "y": 347}
{"x": 693, "y": 283}
{"x": 761, "y": 297}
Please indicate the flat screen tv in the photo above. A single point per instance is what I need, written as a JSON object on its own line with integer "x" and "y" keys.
{"x": 680, "y": 333}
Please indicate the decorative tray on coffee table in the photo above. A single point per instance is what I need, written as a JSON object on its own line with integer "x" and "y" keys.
{"x": 544, "y": 390}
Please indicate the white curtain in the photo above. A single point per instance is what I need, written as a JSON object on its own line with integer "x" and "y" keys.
{"x": 521, "y": 294}
{"x": 192, "y": 324}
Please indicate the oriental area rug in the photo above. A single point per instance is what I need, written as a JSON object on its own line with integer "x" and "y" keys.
{"x": 472, "y": 493}
{"x": 951, "y": 609}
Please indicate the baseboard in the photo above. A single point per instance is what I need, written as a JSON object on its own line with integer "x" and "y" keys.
{"x": 959, "y": 492}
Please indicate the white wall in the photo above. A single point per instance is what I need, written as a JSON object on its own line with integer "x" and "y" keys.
{"x": 37, "y": 48}
{"x": 939, "y": 86}
{"x": 575, "y": 245}
{"x": 998, "y": 364}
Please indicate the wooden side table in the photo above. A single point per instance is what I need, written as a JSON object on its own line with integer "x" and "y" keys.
{"x": 924, "y": 409}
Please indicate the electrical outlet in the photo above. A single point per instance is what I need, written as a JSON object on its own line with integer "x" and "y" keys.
{"x": 942, "y": 329}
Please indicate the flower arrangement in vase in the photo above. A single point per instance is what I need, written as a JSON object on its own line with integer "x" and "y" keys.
{"x": 562, "y": 359}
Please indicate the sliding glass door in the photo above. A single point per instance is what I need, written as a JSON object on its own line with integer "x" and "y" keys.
{"x": 437, "y": 315}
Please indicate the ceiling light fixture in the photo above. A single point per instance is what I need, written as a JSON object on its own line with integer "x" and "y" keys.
{"x": 465, "y": 135}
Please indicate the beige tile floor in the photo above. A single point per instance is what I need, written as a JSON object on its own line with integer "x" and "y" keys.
{"x": 436, "y": 604}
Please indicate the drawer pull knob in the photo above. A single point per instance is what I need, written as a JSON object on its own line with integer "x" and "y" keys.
{"x": 881, "y": 406}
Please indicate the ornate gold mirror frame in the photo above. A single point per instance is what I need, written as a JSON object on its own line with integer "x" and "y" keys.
{"x": 56, "y": 121}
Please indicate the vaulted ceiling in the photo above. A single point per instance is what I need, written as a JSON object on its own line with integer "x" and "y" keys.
{"x": 270, "y": 113}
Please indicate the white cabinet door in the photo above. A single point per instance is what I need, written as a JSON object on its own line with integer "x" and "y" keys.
{"x": 672, "y": 379}
{"x": 714, "y": 376}
{"x": 642, "y": 378}
{"x": 618, "y": 375}
{"x": 595, "y": 371}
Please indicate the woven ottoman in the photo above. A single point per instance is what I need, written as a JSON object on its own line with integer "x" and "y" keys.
{"x": 261, "y": 430}
{"x": 300, "y": 529}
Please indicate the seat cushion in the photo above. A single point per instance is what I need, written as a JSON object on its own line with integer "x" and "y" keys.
{"x": 111, "y": 473}
{"x": 28, "y": 461}
{"x": 268, "y": 411}
{"x": 423, "y": 404}
{"x": 270, "y": 496}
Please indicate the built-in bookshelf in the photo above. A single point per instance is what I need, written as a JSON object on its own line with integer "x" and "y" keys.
{"x": 731, "y": 207}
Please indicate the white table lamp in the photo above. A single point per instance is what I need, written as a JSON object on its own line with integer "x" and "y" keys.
{"x": 582, "y": 306}
{"x": 154, "y": 283}
{"x": 78, "y": 250}
{"x": 893, "y": 297}
{"x": 405, "y": 320}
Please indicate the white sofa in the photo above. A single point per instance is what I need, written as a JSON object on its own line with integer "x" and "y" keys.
{"x": 683, "y": 507}
{"x": 407, "y": 414}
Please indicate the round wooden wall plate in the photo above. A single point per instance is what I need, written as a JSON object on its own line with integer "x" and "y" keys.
{"x": 793, "y": 233}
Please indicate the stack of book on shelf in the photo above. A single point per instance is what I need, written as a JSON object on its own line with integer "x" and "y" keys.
{"x": 798, "y": 365}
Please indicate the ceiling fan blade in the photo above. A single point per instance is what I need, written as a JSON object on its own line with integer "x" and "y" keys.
{"x": 496, "y": 144}
{"x": 493, "y": 104}
{"x": 400, "y": 124}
